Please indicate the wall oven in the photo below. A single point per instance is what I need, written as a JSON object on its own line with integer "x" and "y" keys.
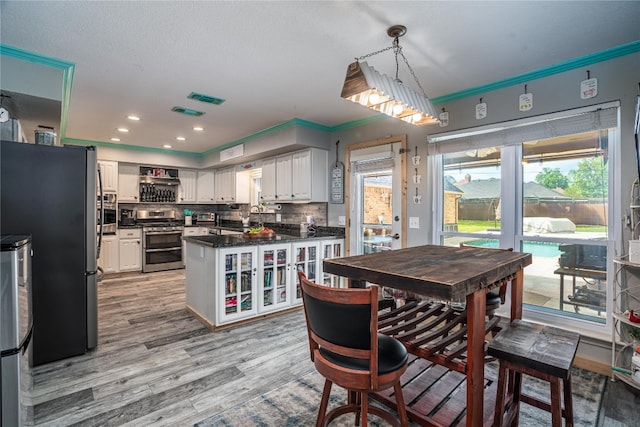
{"x": 108, "y": 217}
{"x": 161, "y": 240}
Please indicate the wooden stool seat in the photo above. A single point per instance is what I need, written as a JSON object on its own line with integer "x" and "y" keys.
{"x": 542, "y": 352}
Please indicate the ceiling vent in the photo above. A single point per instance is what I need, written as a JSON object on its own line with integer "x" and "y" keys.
{"x": 187, "y": 111}
{"x": 205, "y": 98}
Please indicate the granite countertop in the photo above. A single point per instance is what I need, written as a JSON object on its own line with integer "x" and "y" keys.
{"x": 231, "y": 240}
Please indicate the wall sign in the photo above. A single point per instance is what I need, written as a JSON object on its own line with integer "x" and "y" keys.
{"x": 337, "y": 180}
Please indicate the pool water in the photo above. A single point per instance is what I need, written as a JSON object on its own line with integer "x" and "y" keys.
{"x": 541, "y": 249}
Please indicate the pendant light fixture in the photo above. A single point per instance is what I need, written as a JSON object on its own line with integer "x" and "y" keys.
{"x": 365, "y": 86}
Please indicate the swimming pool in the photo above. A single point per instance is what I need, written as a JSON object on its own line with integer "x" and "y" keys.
{"x": 541, "y": 249}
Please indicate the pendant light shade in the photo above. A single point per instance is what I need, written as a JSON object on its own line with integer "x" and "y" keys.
{"x": 365, "y": 86}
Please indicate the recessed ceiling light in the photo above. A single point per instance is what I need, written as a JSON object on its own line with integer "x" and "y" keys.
{"x": 115, "y": 139}
{"x": 134, "y": 118}
{"x": 125, "y": 130}
{"x": 198, "y": 128}
{"x": 181, "y": 138}
{"x": 167, "y": 146}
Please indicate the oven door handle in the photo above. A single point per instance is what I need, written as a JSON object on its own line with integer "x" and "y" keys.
{"x": 155, "y": 233}
{"x": 163, "y": 249}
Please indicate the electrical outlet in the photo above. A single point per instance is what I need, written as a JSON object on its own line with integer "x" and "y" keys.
{"x": 341, "y": 220}
{"x": 278, "y": 218}
{"x": 414, "y": 222}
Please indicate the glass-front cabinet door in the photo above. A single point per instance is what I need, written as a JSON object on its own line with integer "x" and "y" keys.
{"x": 333, "y": 249}
{"x": 238, "y": 284}
{"x": 275, "y": 266}
{"x": 306, "y": 258}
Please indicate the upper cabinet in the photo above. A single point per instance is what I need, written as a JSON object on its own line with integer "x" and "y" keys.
{"x": 128, "y": 178}
{"x": 109, "y": 173}
{"x": 310, "y": 175}
{"x": 300, "y": 176}
{"x": 231, "y": 187}
{"x": 187, "y": 187}
{"x": 268, "y": 180}
{"x": 225, "y": 185}
{"x": 205, "y": 187}
{"x": 283, "y": 178}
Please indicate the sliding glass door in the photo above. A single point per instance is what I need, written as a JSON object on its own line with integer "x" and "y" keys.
{"x": 542, "y": 188}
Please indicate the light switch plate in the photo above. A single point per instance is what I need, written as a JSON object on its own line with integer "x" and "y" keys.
{"x": 341, "y": 220}
{"x": 414, "y": 222}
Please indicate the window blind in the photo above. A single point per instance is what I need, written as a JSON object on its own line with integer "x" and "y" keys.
{"x": 513, "y": 133}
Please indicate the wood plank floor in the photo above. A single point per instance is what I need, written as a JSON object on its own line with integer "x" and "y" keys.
{"x": 157, "y": 365}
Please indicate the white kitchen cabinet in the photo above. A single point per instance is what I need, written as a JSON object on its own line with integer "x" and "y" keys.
{"x": 108, "y": 260}
{"x": 309, "y": 170}
{"x": 283, "y": 178}
{"x": 306, "y": 258}
{"x": 225, "y": 185}
{"x": 128, "y": 180}
{"x": 109, "y": 172}
{"x": 333, "y": 248}
{"x": 130, "y": 249}
{"x": 269, "y": 180}
{"x": 230, "y": 284}
{"x": 275, "y": 272}
{"x": 187, "y": 187}
{"x": 238, "y": 279}
{"x": 205, "y": 187}
{"x": 300, "y": 176}
{"x": 231, "y": 187}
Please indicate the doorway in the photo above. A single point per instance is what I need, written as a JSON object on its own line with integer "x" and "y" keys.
{"x": 376, "y": 196}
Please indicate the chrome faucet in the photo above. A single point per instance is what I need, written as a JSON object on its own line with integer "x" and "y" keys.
{"x": 259, "y": 208}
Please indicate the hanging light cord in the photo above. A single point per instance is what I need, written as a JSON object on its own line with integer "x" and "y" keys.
{"x": 397, "y": 51}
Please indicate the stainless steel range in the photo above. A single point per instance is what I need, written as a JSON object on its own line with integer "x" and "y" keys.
{"x": 161, "y": 240}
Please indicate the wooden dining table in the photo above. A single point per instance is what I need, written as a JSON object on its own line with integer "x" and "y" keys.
{"x": 441, "y": 275}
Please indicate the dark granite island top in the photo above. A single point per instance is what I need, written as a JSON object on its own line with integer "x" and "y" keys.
{"x": 232, "y": 240}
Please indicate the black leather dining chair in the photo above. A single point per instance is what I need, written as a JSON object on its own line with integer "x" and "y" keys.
{"x": 346, "y": 349}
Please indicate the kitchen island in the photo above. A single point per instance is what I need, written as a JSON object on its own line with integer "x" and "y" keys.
{"x": 237, "y": 278}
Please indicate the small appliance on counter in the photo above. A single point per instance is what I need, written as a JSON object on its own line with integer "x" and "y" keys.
{"x": 127, "y": 217}
{"x": 207, "y": 218}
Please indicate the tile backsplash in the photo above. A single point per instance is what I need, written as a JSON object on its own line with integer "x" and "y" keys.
{"x": 290, "y": 213}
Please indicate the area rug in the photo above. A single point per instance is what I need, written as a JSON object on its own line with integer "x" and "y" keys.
{"x": 296, "y": 404}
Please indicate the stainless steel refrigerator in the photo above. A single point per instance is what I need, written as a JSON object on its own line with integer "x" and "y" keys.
{"x": 49, "y": 192}
{"x": 15, "y": 331}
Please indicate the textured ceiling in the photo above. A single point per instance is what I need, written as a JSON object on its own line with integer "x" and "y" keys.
{"x": 275, "y": 61}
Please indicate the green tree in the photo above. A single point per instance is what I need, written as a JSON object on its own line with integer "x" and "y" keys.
{"x": 552, "y": 178}
{"x": 590, "y": 179}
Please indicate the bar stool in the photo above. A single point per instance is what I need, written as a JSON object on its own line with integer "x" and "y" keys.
{"x": 539, "y": 351}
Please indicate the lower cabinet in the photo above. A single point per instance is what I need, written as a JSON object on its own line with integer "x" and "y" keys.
{"x": 237, "y": 284}
{"x": 275, "y": 268}
{"x": 108, "y": 260}
{"x": 130, "y": 249}
{"x": 332, "y": 249}
{"x": 306, "y": 258}
{"x": 227, "y": 285}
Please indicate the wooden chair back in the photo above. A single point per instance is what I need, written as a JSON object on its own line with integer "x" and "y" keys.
{"x": 343, "y": 321}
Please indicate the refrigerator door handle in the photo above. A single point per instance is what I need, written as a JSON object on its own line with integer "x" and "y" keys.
{"x": 101, "y": 212}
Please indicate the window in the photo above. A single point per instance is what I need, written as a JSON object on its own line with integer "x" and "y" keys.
{"x": 543, "y": 187}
